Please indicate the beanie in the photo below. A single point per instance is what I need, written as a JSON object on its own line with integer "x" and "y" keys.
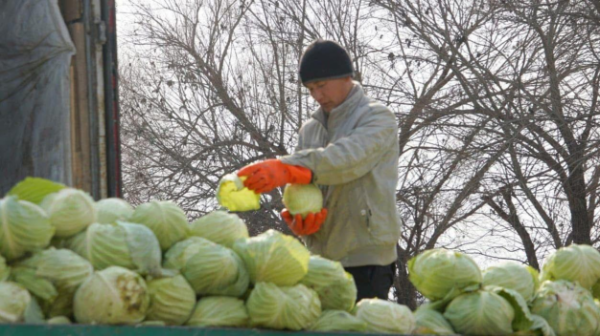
{"x": 323, "y": 60}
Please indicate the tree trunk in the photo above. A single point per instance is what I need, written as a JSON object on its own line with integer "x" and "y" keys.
{"x": 576, "y": 192}
{"x": 406, "y": 293}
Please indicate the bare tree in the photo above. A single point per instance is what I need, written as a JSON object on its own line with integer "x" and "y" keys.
{"x": 497, "y": 105}
{"x": 209, "y": 92}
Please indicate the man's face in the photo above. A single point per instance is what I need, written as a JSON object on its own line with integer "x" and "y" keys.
{"x": 330, "y": 93}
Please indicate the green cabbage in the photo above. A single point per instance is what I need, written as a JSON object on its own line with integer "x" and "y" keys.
{"x": 165, "y": 219}
{"x": 128, "y": 245}
{"x": 149, "y": 323}
{"x": 232, "y": 194}
{"x": 274, "y": 257}
{"x": 172, "y": 300}
{"x": 53, "y": 276}
{"x": 385, "y": 317}
{"x": 303, "y": 199}
{"x": 438, "y": 272}
{"x": 219, "y": 311}
{"x": 480, "y": 313}
{"x": 334, "y": 285}
{"x": 17, "y": 305}
{"x": 431, "y": 322}
{"x": 114, "y": 295}
{"x": 595, "y": 290}
{"x": 110, "y": 210}
{"x": 70, "y": 211}
{"x": 338, "y": 320}
{"x": 293, "y": 308}
{"x": 569, "y": 308}
{"x": 59, "y": 320}
{"x": 24, "y": 227}
{"x": 210, "y": 268}
{"x": 580, "y": 263}
{"x": 524, "y": 321}
{"x": 4, "y": 270}
{"x": 220, "y": 227}
{"x": 14, "y": 300}
{"x": 513, "y": 275}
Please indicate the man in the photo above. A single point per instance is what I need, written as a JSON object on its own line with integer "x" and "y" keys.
{"x": 350, "y": 149}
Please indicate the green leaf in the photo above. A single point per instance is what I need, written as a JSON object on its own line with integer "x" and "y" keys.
{"x": 33, "y": 314}
{"x": 34, "y": 189}
{"x": 541, "y": 326}
{"x": 144, "y": 248}
{"x": 523, "y": 317}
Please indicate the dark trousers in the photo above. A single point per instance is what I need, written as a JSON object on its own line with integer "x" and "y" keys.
{"x": 373, "y": 281}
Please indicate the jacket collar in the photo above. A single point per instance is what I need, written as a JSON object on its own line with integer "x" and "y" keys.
{"x": 338, "y": 113}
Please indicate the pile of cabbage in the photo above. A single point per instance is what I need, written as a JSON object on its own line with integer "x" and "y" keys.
{"x": 65, "y": 258}
{"x": 508, "y": 298}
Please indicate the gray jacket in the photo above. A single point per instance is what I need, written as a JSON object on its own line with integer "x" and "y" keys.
{"x": 353, "y": 155}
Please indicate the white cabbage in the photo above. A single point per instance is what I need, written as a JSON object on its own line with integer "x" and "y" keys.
{"x": 24, "y": 227}
{"x": 274, "y": 257}
{"x": 114, "y": 295}
{"x": 165, "y": 219}
{"x": 70, "y": 211}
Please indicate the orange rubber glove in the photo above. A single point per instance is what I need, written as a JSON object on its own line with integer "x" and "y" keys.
{"x": 267, "y": 175}
{"x": 307, "y": 226}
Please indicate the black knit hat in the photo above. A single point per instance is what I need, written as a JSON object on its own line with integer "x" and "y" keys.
{"x": 324, "y": 59}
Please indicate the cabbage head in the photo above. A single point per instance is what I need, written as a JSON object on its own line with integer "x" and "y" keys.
{"x": 165, "y": 219}
{"x": 53, "y": 276}
{"x": 110, "y": 210}
{"x": 524, "y": 322}
{"x": 232, "y": 194}
{"x": 336, "y": 287}
{"x": 128, "y": 245}
{"x": 149, "y": 323}
{"x": 219, "y": 311}
{"x": 569, "y": 308}
{"x": 577, "y": 263}
{"x": 513, "y": 275}
{"x": 4, "y": 269}
{"x": 595, "y": 290}
{"x": 70, "y": 211}
{"x": 480, "y": 313}
{"x": 432, "y": 322}
{"x": 59, "y": 320}
{"x": 338, "y": 320}
{"x": 274, "y": 257}
{"x": 385, "y": 317}
{"x": 220, "y": 227}
{"x": 17, "y": 305}
{"x": 24, "y": 227}
{"x": 114, "y": 295}
{"x": 210, "y": 268}
{"x": 303, "y": 199}
{"x": 295, "y": 308}
{"x": 438, "y": 272}
{"x": 172, "y": 300}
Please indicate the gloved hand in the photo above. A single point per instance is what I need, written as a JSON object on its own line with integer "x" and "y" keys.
{"x": 307, "y": 226}
{"x": 267, "y": 175}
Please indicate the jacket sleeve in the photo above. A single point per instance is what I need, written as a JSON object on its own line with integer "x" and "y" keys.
{"x": 353, "y": 156}
{"x": 300, "y": 141}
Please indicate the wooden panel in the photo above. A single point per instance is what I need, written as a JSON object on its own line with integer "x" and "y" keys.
{"x": 71, "y": 9}
{"x": 82, "y": 177}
